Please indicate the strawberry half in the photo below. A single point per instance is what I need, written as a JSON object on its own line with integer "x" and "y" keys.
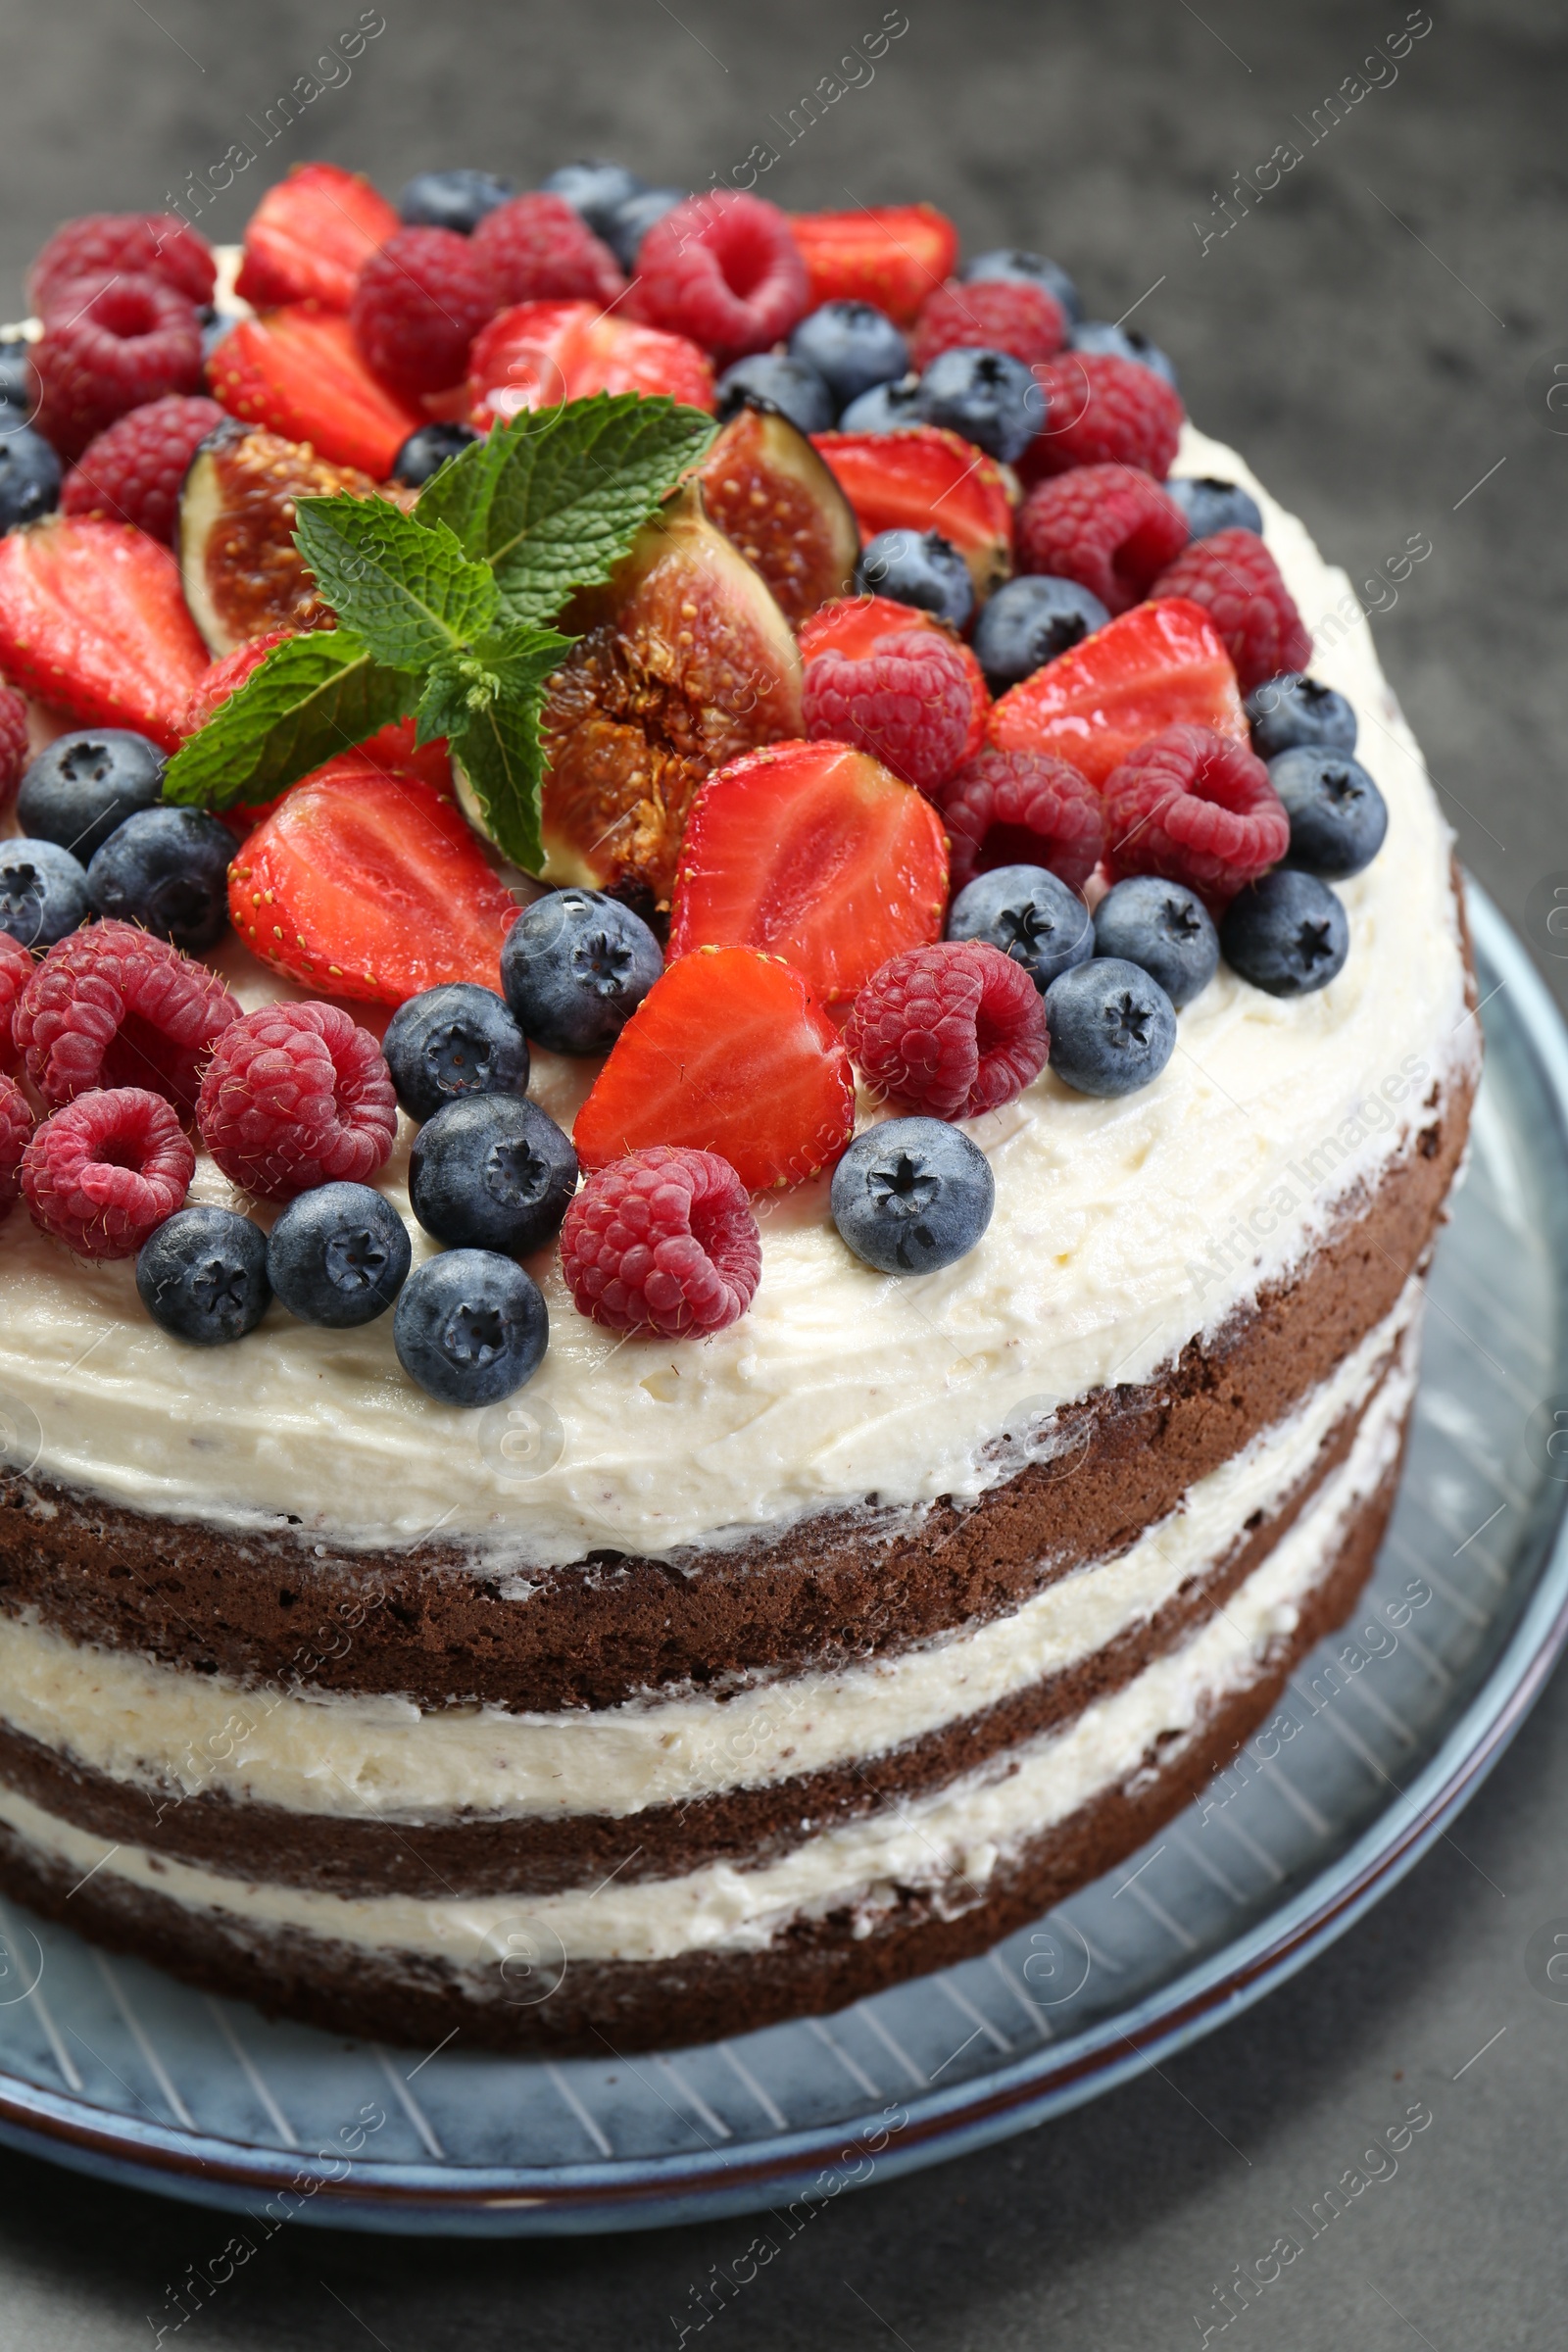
{"x": 93, "y": 621}
{"x": 727, "y": 1052}
{"x": 894, "y": 255}
{"x": 924, "y": 478}
{"x": 538, "y": 353}
{"x": 310, "y": 237}
{"x": 299, "y": 372}
{"x": 1160, "y": 665}
{"x": 814, "y": 851}
{"x": 365, "y": 884}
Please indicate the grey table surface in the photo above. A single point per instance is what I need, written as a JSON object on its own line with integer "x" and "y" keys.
{"x": 1379, "y": 333}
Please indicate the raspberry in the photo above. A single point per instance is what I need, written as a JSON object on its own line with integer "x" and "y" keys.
{"x": 952, "y": 1030}
{"x": 14, "y": 752}
{"x": 107, "y": 1170}
{"x": 417, "y": 306}
{"x": 133, "y": 471}
{"x": 663, "y": 1241}
{"x": 1238, "y": 582}
{"x": 1108, "y": 528}
{"x": 916, "y": 700}
{"x": 16, "y": 1126}
{"x": 113, "y": 1006}
{"x": 1103, "y": 409}
{"x": 995, "y": 316}
{"x": 17, "y": 968}
{"x": 1197, "y": 807}
{"x": 1021, "y": 808}
{"x": 111, "y": 345}
{"x": 536, "y": 249}
{"x": 724, "y": 270}
{"x": 297, "y": 1096}
{"x": 109, "y": 244}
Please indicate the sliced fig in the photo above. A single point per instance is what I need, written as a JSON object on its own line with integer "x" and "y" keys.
{"x": 241, "y": 571}
{"x": 769, "y": 491}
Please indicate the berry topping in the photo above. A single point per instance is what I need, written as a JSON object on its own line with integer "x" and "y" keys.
{"x": 663, "y": 1243}
{"x": 574, "y": 968}
{"x": 987, "y": 397}
{"x": 113, "y": 1007}
{"x": 1103, "y": 411}
{"x": 450, "y": 1041}
{"x": 15, "y": 1127}
{"x": 1030, "y": 916}
{"x": 458, "y": 199}
{"x": 537, "y": 249}
{"x": 296, "y": 1095}
{"x": 1109, "y": 529}
{"x": 816, "y": 853}
{"x": 310, "y": 237}
{"x": 724, "y": 270}
{"x": 102, "y": 1173}
{"x": 1163, "y": 928}
{"x": 470, "y": 1327}
{"x": 853, "y": 346}
{"x": 891, "y": 680}
{"x": 729, "y": 1053}
{"x": 1112, "y": 1027}
{"x": 595, "y": 189}
{"x": 917, "y": 567}
{"x": 299, "y": 372}
{"x": 540, "y": 353}
{"x": 417, "y": 306}
{"x": 127, "y": 244}
{"x": 1211, "y": 505}
{"x": 29, "y": 476}
{"x": 1287, "y": 934}
{"x": 913, "y": 1194}
{"x": 92, "y": 620}
{"x": 1195, "y": 807}
{"x": 133, "y": 471}
{"x": 1016, "y": 316}
{"x": 43, "y": 893}
{"x": 492, "y": 1173}
{"x": 338, "y": 1255}
{"x": 111, "y": 345}
{"x": 787, "y": 384}
{"x": 425, "y": 451}
{"x": 1157, "y": 666}
{"x": 203, "y": 1276}
{"x": 1028, "y": 623}
{"x": 1291, "y": 710}
{"x": 167, "y": 871}
{"x": 952, "y": 1030}
{"x": 17, "y": 968}
{"x": 12, "y": 741}
{"x": 1101, "y": 336}
{"x": 1238, "y": 582}
{"x": 1009, "y": 265}
{"x": 922, "y": 479}
{"x": 891, "y": 255}
{"x": 1338, "y": 816}
{"x": 1021, "y": 808}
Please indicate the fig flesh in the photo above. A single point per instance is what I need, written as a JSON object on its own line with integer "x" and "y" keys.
{"x": 771, "y": 493}
{"x": 240, "y": 570}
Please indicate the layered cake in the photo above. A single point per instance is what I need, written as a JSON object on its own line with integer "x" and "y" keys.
{"x": 787, "y": 1563}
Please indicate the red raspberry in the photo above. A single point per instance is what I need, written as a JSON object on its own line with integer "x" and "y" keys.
{"x": 296, "y": 1095}
{"x": 1195, "y": 807}
{"x": 535, "y": 247}
{"x": 1103, "y": 409}
{"x": 916, "y": 700}
{"x": 112, "y": 344}
{"x": 417, "y": 306}
{"x": 952, "y": 1030}
{"x": 16, "y": 1126}
{"x": 14, "y": 752}
{"x": 17, "y": 968}
{"x": 1021, "y": 808}
{"x": 1238, "y": 582}
{"x": 663, "y": 1241}
{"x": 138, "y": 244}
{"x": 724, "y": 270}
{"x": 112, "y": 1007}
{"x": 993, "y": 315}
{"x": 133, "y": 472}
{"x": 107, "y": 1170}
{"x": 1108, "y": 528}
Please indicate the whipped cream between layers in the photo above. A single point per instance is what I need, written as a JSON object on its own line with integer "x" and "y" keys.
{"x": 1123, "y": 1228}
{"x": 950, "y": 1844}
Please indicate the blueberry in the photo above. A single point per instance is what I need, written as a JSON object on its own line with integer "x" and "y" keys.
{"x": 885, "y": 409}
{"x": 1163, "y": 928}
{"x": 1338, "y": 816}
{"x": 913, "y": 1194}
{"x": 85, "y": 785}
{"x": 1292, "y": 708}
{"x": 1011, "y": 264}
{"x": 18, "y": 386}
{"x": 167, "y": 869}
{"x": 1286, "y": 934}
{"x": 787, "y": 385}
{"x": 43, "y": 892}
{"x": 1211, "y": 505}
{"x": 1122, "y": 343}
{"x": 630, "y": 222}
{"x": 427, "y": 450}
{"x": 853, "y": 346}
{"x": 988, "y": 396}
{"x": 338, "y": 1255}
{"x": 574, "y": 967}
{"x": 1031, "y": 914}
{"x": 470, "y": 1327}
{"x": 29, "y": 474}
{"x": 458, "y": 1039}
{"x": 203, "y": 1276}
{"x": 1028, "y": 623}
{"x": 596, "y": 191}
{"x": 1113, "y": 1028}
{"x": 491, "y": 1172}
{"x": 459, "y": 199}
{"x": 917, "y": 567}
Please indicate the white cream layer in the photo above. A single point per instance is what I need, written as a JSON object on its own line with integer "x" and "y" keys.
{"x": 950, "y": 1844}
{"x": 1121, "y": 1229}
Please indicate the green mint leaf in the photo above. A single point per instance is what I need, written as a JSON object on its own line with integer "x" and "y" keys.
{"x": 553, "y": 500}
{"x": 311, "y": 697}
{"x": 412, "y": 594}
{"x": 488, "y": 703}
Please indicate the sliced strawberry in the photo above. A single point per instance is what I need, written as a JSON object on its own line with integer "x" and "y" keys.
{"x": 310, "y": 237}
{"x": 299, "y": 372}
{"x": 894, "y": 255}
{"x": 816, "y": 853}
{"x": 366, "y": 884}
{"x": 395, "y": 750}
{"x": 853, "y": 624}
{"x": 539, "y": 353}
{"x": 729, "y": 1053}
{"x": 1160, "y": 665}
{"x": 93, "y": 622}
{"x": 923, "y": 478}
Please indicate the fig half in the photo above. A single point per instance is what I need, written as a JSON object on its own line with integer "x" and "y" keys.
{"x": 771, "y": 493}
{"x": 241, "y": 571}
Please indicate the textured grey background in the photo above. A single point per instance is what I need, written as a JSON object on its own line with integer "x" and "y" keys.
{"x": 1378, "y": 334}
